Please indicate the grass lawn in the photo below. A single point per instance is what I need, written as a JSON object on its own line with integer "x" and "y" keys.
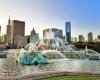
{"x": 74, "y": 78}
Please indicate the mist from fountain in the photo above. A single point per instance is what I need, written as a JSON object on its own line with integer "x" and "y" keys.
{"x": 57, "y": 44}
{"x": 54, "y": 54}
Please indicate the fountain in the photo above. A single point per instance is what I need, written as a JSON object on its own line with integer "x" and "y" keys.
{"x": 58, "y": 60}
{"x": 59, "y": 55}
{"x": 50, "y": 45}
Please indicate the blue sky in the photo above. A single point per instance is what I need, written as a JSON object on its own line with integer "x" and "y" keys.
{"x": 84, "y": 15}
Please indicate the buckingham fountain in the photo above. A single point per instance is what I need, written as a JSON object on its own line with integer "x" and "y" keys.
{"x": 48, "y": 56}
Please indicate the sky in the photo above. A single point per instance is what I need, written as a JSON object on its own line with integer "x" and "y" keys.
{"x": 84, "y": 15}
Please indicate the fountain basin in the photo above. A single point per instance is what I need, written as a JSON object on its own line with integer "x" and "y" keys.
{"x": 94, "y": 57}
{"x": 56, "y": 67}
{"x": 2, "y": 55}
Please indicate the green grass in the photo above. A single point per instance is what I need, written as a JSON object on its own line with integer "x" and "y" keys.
{"x": 74, "y": 78}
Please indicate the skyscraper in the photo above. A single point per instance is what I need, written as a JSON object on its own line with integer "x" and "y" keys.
{"x": 19, "y": 27}
{"x": 99, "y": 37}
{"x": 81, "y": 38}
{"x": 90, "y": 37}
{"x": 18, "y": 30}
{"x": 68, "y": 32}
{"x": 9, "y": 33}
{"x": 56, "y": 33}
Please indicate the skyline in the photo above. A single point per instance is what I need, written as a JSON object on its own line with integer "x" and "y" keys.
{"x": 83, "y": 15}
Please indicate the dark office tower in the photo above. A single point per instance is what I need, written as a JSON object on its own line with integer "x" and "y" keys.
{"x": 9, "y": 33}
{"x": 19, "y": 27}
{"x": 68, "y": 32}
{"x": 18, "y": 30}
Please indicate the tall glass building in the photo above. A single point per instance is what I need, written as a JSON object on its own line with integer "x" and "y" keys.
{"x": 68, "y": 32}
